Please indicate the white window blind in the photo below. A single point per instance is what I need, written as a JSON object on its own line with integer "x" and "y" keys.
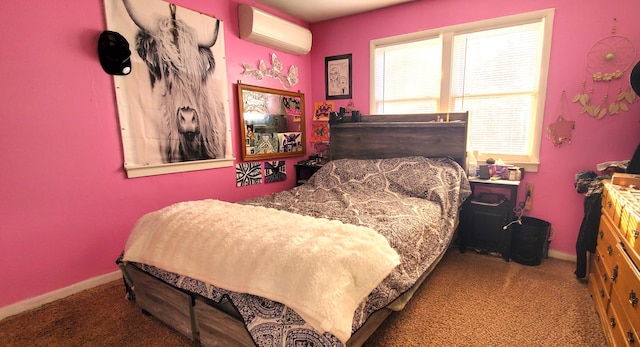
{"x": 494, "y": 75}
{"x": 495, "y": 69}
{"x": 408, "y": 77}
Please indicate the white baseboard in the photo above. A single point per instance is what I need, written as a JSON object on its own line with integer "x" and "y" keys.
{"x": 562, "y": 255}
{"x": 40, "y": 300}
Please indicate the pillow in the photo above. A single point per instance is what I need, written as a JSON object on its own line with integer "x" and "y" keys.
{"x": 410, "y": 176}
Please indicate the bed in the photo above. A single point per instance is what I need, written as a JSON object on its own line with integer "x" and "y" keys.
{"x": 390, "y": 194}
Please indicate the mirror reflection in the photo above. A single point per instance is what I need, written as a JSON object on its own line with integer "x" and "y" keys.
{"x": 271, "y": 122}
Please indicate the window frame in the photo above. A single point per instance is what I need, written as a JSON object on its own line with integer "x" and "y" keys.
{"x": 531, "y": 161}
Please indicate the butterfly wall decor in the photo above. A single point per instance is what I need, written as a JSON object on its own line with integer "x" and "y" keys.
{"x": 275, "y": 71}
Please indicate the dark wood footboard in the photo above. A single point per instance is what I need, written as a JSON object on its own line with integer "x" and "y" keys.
{"x": 216, "y": 328}
{"x": 205, "y": 321}
{"x": 168, "y": 304}
{"x": 190, "y": 314}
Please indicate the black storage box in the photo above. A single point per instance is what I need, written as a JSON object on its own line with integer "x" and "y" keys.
{"x": 482, "y": 225}
{"x": 530, "y": 241}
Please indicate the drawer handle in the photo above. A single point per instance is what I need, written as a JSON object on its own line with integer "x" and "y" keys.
{"x": 601, "y": 234}
{"x": 633, "y": 298}
{"x": 602, "y": 293}
{"x": 610, "y": 250}
{"x": 605, "y": 277}
{"x": 636, "y": 234}
{"x": 609, "y": 204}
{"x": 615, "y": 273}
{"x": 630, "y": 337}
{"x": 612, "y": 322}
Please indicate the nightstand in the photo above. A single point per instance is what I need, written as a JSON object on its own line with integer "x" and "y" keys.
{"x": 304, "y": 171}
{"x": 483, "y": 220}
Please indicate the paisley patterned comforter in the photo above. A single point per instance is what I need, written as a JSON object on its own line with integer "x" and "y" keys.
{"x": 412, "y": 201}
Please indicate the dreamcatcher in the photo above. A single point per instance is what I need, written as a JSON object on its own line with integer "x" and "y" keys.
{"x": 559, "y": 132}
{"x": 606, "y": 64}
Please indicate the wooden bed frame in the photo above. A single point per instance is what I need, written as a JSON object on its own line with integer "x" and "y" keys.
{"x": 375, "y": 137}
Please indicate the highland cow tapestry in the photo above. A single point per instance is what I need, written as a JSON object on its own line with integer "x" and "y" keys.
{"x": 173, "y": 106}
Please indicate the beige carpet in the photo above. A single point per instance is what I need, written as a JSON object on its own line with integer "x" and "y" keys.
{"x": 479, "y": 300}
{"x": 469, "y": 300}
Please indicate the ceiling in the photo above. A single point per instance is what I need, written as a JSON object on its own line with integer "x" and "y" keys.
{"x": 312, "y": 11}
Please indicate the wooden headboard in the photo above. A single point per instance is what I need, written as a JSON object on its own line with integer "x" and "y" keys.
{"x": 390, "y": 136}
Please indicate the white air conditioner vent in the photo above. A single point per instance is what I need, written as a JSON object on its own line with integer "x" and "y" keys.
{"x": 270, "y": 31}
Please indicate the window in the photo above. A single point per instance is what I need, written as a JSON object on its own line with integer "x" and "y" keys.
{"x": 496, "y": 69}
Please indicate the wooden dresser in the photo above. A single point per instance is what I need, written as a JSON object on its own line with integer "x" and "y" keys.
{"x": 614, "y": 277}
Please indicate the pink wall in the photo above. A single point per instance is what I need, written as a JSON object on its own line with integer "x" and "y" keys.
{"x": 66, "y": 206}
{"x": 577, "y": 26}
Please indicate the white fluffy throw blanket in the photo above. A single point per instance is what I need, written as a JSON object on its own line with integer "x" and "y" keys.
{"x": 320, "y": 268}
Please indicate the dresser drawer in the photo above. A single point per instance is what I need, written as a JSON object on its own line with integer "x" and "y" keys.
{"x": 599, "y": 280}
{"x": 630, "y": 231}
{"x": 598, "y": 290}
{"x": 609, "y": 203}
{"x": 608, "y": 240}
{"x": 627, "y": 287}
{"x": 621, "y": 326}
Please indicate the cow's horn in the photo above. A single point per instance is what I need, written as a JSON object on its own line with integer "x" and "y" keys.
{"x": 145, "y": 14}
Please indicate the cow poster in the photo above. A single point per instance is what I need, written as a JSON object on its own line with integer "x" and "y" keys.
{"x": 173, "y": 107}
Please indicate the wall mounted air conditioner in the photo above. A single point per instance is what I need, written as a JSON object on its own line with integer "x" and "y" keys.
{"x": 270, "y": 31}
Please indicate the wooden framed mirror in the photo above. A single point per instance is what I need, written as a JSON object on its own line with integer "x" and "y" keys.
{"x": 272, "y": 123}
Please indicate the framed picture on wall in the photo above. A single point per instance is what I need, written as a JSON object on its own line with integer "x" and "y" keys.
{"x": 338, "y": 76}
